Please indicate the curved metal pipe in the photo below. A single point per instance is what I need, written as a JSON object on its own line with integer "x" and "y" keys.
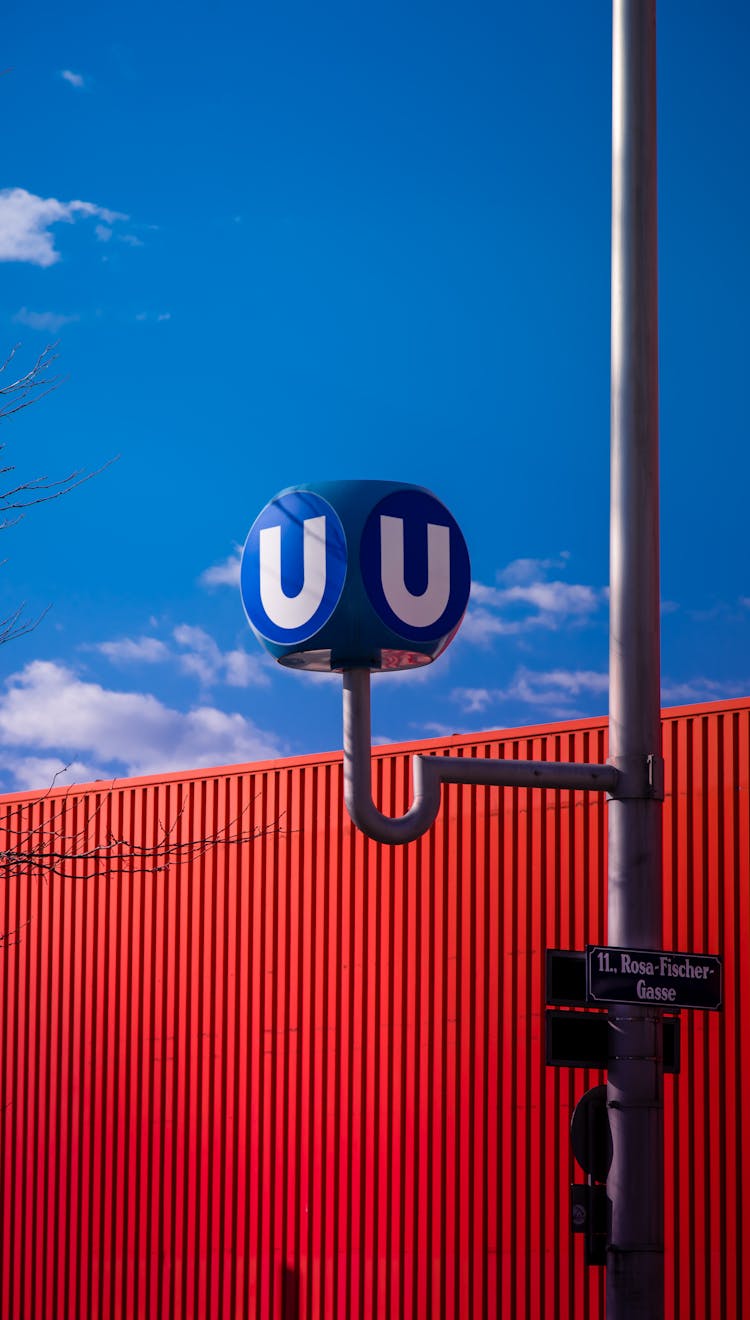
{"x": 430, "y": 772}
{"x": 357, "y": 786}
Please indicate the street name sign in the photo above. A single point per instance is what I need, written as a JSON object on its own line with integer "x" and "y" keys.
{"x": 649, "y": 976}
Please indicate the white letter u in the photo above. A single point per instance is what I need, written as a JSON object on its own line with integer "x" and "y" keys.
{"x": 425, "y": 609}
{"x": 293, "y": 611}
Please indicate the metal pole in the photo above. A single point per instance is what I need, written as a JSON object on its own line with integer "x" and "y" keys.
{"x": 635, "y": 1273}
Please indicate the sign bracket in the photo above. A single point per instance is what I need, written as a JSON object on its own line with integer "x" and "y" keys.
{"x": 431, "y": 772}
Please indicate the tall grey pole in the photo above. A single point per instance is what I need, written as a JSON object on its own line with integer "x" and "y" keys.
{"x": 635, "y": 1261}
{"x": 634, "y": 776}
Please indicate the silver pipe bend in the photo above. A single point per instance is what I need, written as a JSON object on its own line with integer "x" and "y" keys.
{"x": 430, "y": 772}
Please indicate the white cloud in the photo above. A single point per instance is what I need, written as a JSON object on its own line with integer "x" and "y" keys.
{"x": 480, "y": 626}
{"x": 243, "y": 670}
{"x": 46, "y": 708}
{"x": 201, "y": 656}
{"x": 207, "y": 662}
{"x": 528, "y": 601}
{"x": 26, "y": 221}
{"x": 473, "y": 699}
{"x": 226, "y": 574}
{"x": 135, "y": 650}
{"x": 103, "y": 233}
{"x": 572, "y": 681}
{"x": 554, "y": 690}
{"x": 550, "y": 599}
{"x": 52, "y": 321}
{"x": 519, "y": 572}
{"x": 701, "y": 689}
{"x": 198, "y": 656}
{"x": 75, "y": 79}
{"x": 433, "y": 729}
{"x": 49, "y": 771}
{"x": 557, "y": 598}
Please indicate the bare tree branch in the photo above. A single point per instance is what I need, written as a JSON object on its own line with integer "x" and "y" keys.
{"x": 16, "y": 394}
{"x": 25, "y": 390}
{"x": 48, "y": 849}
{"x": 52, "y": 490}
{"x": 14, "y": 625}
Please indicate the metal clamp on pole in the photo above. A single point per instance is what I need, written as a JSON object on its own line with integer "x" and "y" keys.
{"x": 430, "y": 772}
{"x": 639, "y": 777}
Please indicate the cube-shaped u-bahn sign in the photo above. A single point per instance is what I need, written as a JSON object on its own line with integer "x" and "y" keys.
{"x": 355, "y": 574}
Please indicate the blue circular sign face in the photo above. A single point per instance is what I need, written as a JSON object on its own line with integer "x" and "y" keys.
{"x": 293, "y": 567}
{"x": 415, "y": 565}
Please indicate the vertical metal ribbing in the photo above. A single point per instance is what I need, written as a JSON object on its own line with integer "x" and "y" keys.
{"x": 635, "y": 1274}
{"x": 426, "y": 1065}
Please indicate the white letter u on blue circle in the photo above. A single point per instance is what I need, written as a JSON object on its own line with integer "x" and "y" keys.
{"x": 293, "y": 611}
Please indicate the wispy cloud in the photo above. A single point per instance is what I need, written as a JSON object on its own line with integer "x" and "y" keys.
{"x": 196, "y": 654}
{"x": 701, "y": 689}
{"x": 225, "y": 574}
{"x": 201, "y": 657}
{"x": 50, "y": 771}
{"x": 550, "y": 600}
{"x": 52, "y": 321}
{"x": 135, "y": 650}
{"x": 433, "y": 729}
{"x": 476, "y": 699}
{"x": 554, "y": 684}
{"x": 47, "y": 711}
{"x": 555, "y": 691}
{"x": 527, "y": 598}
{"x": 26, "y": 222}
{"x": 520, "y": 572}
{"x": 482, "y": 626}
{"x": 74, "y": 79}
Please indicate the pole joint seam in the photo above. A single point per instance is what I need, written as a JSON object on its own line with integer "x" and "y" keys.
{"x": 638, "y": 777}
{"x": 635, "y": 1246}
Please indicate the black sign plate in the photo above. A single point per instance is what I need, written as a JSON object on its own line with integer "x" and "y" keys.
{"x": 580, "y": 1039}
{"x": 566, "y": 977}
{"x": 651, "y": 977}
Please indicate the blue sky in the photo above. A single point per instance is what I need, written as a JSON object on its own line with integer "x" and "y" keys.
{"x": 293, "y": 242}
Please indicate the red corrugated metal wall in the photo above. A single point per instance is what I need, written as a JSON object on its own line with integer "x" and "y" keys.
{"x": 255, "y": 1065}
